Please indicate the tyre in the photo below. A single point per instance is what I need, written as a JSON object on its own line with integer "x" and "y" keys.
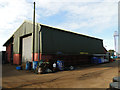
{"x": 116, "y": 79}
{"x": 114, "y": 86}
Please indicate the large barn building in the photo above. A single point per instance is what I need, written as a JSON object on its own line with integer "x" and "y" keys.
{"x": 50, "y": 42}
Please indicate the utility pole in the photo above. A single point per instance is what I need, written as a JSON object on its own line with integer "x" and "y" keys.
{"x": 33, "y": 30}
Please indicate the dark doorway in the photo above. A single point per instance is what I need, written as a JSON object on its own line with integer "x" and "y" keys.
{"x": 11, "y": 56}
{"x": 21, "y": 46}
{"x": 20, "y": 50}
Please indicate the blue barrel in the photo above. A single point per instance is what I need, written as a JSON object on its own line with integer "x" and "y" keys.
{"x": 60, "y": 65}
{"x": 18, "y": 67}
{"x": 28, "y": 65}
{"x": 35, "y": 63}
{"x": 99, "y": 60}
{"x": 95, "y": 60}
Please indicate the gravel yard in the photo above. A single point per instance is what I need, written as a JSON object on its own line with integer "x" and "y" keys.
{"x": 98, "y": 76}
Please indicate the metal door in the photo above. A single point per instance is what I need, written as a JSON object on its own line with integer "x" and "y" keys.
{"x": 27, "y": 49}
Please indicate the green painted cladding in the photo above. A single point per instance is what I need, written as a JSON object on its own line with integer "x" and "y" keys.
{"x": 55, "y": 40}
{"x": 25, "y": 29}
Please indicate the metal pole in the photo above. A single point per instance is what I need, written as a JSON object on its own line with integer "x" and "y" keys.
{"x": 33, "y": 30}
{"x": 38, "y": 45}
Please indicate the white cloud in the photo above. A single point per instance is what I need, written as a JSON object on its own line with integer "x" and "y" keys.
{"x": 109, "y": 44}
{"x": 97, "y": 14}
{"x": 63, "y": 1}
{"x": 94, "y": 13}
{"x": 51, "y": 7}
{"x": 12, "y": 14}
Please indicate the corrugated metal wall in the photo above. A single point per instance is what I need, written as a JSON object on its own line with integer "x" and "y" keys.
{"x": 25, "y": 29}
{"x": 69, "y": 60}
{"x": 8, "y": 52}
{"x": 54, "y": 40}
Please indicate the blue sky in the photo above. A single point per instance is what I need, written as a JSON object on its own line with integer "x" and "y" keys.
{"x": 96, "y": 18}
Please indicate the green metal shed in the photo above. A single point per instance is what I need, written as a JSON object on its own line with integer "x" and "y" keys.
{"x": 50, "y": 41}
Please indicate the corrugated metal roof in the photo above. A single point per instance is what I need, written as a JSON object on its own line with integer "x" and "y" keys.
{"x": 50, "y": 27}
{"x": 62, "y": 29}
{"x": 71, "y": 32}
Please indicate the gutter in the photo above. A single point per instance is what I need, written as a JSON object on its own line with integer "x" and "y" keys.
{"x": 39, "y": 43}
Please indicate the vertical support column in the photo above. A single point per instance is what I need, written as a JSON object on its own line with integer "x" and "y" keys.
{"x": 33, "y": 30}
{"x": 39, "y": 43}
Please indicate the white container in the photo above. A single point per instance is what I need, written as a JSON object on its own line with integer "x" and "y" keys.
{"x": 102, "y": 59}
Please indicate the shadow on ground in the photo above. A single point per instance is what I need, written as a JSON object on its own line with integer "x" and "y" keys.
{"x": 9, "y": 70}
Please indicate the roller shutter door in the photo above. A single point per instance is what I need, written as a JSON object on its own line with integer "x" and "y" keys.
{"x": 27, "y": 49}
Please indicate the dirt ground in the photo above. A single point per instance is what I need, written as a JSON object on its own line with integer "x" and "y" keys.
{"x": 98, "y": 76}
